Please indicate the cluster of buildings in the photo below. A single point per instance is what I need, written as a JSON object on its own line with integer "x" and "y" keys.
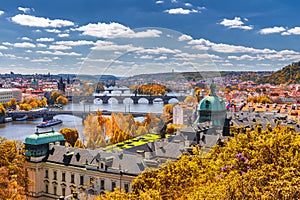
{"x": 35, "y": 86}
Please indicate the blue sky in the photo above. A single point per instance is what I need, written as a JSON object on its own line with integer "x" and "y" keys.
{"x": 127, "y": 37}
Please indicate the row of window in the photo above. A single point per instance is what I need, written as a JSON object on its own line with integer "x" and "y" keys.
{"x": 102, "y": 183}
{"x": 81, "y": 180}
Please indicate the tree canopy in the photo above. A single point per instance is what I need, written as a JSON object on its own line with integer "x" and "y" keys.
{"x": 259, "y": 164}
{"x": 13, "y": 176}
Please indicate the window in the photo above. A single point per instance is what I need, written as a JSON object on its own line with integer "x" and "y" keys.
{"x": 54, "y": 175}
{"x": 54, "y": 190}
{"x": 46, "y": 173}
{"x": 102, "y": 165}
{"x": 91, "y": 181}
{"x": 126, "y": 187}
{"x": 72, "y": 178}
{"x": 46, "y": 188}
{"x": 113, "y": 185}
{"x": 102, "y": 183}
{"x": 63, "y": 176}
{"x": 81, "y": 180}
{"x": 63, "y": 191}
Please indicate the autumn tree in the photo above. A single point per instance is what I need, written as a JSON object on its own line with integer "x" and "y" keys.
{"x": 2, "y": 110}
{"x": 79, "y": 144}
{"x": 152, "y": 89}
{"x": 71, "y": 135}
{"x": 258, "y": 164}
{"x": 61, "y": 100}
{"x": 13, "y": 176}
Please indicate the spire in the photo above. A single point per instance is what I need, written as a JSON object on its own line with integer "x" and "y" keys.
{"x": 213, "y": 88}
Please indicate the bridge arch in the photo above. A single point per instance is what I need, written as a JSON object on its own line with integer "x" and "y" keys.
{"x": 98, "y": 101}
{"x": 158, "y": 100}
{"x": 173, "y": 100}
{"x": 127, "y": 100}
{"x": 143, "y": 100}
{"x": 113, "y": 100}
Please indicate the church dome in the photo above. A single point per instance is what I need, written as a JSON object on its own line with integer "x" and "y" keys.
{"x": 212, "y": 103}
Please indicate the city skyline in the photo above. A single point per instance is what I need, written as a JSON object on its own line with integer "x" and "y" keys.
{"x": 134, "y": 37}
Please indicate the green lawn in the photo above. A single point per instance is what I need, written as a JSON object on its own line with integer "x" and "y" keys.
{"x": 137, "y": 141}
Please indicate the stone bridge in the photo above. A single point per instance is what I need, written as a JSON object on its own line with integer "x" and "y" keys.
{"x": 120, "y": 99}
{"x": 49, "y": 114}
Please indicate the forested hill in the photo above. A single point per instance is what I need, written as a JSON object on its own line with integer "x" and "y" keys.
{"x": 289, "y": 74}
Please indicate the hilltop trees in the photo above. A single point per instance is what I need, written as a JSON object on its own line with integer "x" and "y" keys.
{"x": 259, "y": 164}
{"x": 152, "y": 89}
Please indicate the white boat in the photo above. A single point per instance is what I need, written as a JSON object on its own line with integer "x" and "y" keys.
{"x": 22, "y": 118}
{"x": 7, "y": 119}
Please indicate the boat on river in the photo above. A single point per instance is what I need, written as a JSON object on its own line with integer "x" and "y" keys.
{"x": 48, "y": 123}
{"x": 25, "y": 117}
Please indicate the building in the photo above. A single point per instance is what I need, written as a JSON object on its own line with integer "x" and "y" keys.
{"x": 7, "y": 94}
{"x": 183, "y": 114}
{"x": 57, "y": 170}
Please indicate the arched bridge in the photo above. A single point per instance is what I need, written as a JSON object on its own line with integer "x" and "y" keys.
{"x": 49, "y": 114}
{"x": 120, "y": 98}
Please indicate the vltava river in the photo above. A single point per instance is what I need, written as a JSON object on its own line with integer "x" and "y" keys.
{"x": 19, "y": 130}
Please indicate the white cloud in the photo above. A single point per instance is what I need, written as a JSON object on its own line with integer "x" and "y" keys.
{"x": 181, "y": 11}
{"x": 227, "y": 48}
{"x": 24, "y": 45}
{"x": 184, "y": 38}
{"x": 235, "y": 23}
{"x": 243, "y": 57}
{"x": 3, "y": 47}
{"x": 115, "y": 30}
{"x": 274, "y": 29}
{"x": 159, "y": 2}
{"x": 163, "y": 57}
{"x": 110, "y": 46}
{"x": 41, "y": 60}
{"x": 174, "y": 1}
{"x": 53, "y": 30}
{"x": 25, "y": 39}
{"x": 45, "y": 39}
{"x": 292, "y": 31}
{"x": 75, "y": 43}
{"x": 32, "y": 21}
{"x": 58, "y": 53}
{"x": 146, "y": 57}
{"x": 1, "y": 12}
{"x": 24, "y": 10}
{"x": 59, "y": 47}
{"x": 41, "y": 45}
{"x": 188, "y": 4}
{"x": 63, "y": 35}
{"x": 7, "y": 43}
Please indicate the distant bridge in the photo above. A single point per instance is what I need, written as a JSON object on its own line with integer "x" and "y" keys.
{"x": 120, "y": 98}
{"x": 49, "y": 114}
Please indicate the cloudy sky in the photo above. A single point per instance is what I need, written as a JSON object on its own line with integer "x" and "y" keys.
{"x": 126, "y": 37}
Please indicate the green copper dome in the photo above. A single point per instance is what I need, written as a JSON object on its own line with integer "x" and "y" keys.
{"x": 212, "y": 103}
{"x": 44, "y": 138}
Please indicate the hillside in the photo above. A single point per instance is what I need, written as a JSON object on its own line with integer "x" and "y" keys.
{"x": 289, "y": 74}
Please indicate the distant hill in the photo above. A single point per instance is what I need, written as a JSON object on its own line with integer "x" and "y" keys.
{"x": 289, "y": 74}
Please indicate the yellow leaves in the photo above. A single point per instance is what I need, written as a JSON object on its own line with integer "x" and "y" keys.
{"x": 152, "y": 89}
{"x": 70, "y": 135}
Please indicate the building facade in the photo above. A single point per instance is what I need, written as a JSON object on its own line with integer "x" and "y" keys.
{"x": 7, "y": 94}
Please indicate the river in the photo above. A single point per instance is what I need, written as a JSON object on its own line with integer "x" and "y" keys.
{"x": 19, "y": 130}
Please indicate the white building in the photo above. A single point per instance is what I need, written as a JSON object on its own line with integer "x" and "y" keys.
{"x": 7, "y": 94}
{"x": 183, "y": 114}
